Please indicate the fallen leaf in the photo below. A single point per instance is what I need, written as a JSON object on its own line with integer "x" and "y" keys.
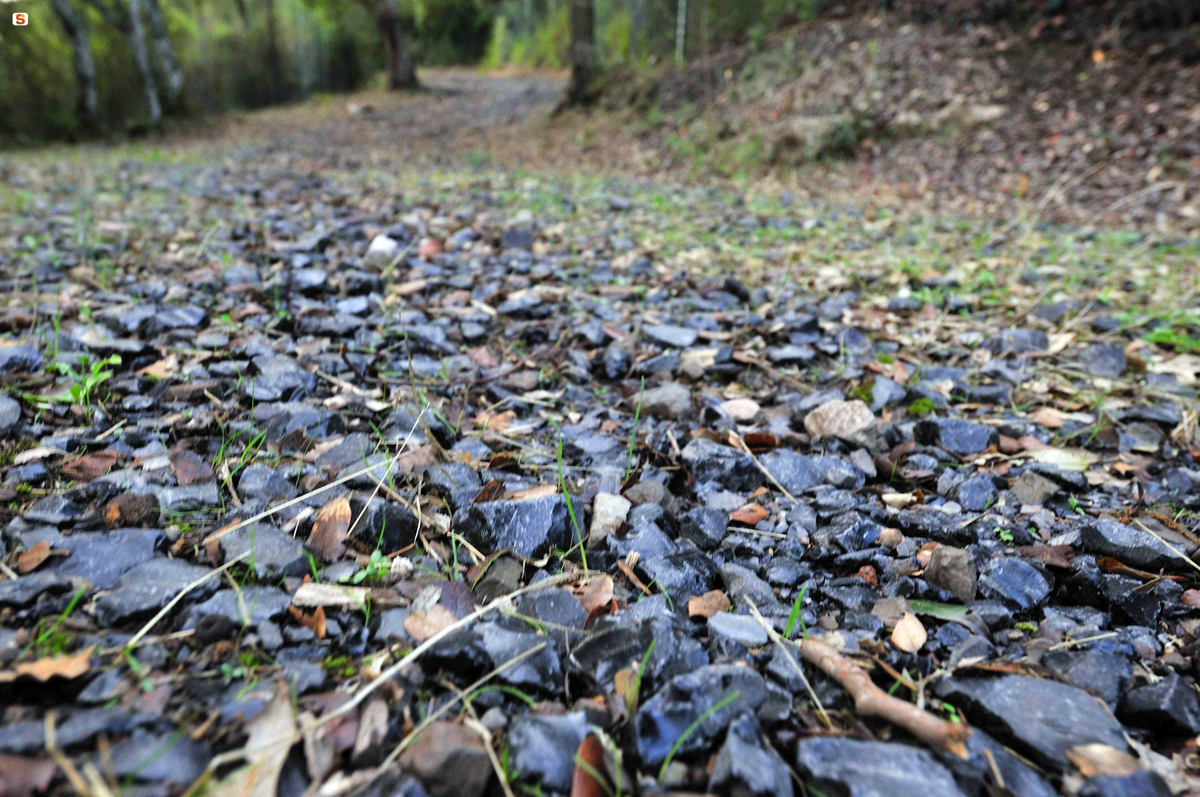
{"x": 163, "y": 369}
{"x": 710, "y": 604}
{"x": 1190, "y": 597}
{"x": 37, "y": 453}
{"x": 1097, "y": 58}
{"x": 483, "y": 357}
{"x": 189, "y": 467}
{"x": 760, "y": 442}
{"x": 540, "y": 491}
{"x": 900, "y": 500}
{"x": 329, "y": 529}
{"x": 596, "y": 593}
{"x": 1060, "y": 341}
{"x": 372, "y": 728}
{"x": 31, "y": 559}
{"x": 1048, "y": 417}
{"x": 1052, "y": 555}
{"x": 750, "y": 515}
{"x": 421, "y": 625}
{"x": 942, "y": 611}
{"x": 589, "y": 763}
{"x": 867, "y": 573}
{"x": 314, "y": 594}
{"x": 1065, "y": 458}
{"x": 1100, "y": 759}
{"x": 492, "y": 491}
{"x": 496, "y": 423}
{"x": 909, "y": 635}
{"x": 271, "y": 735}
{"x": 411, "y": 287}
{"x": 314, "y": 622}
{"x": 742, "y": 410}
{"x": 429, "y": 247}
{"x": 50, "y": 667}
{"x": 90, "y": 466}
{"x": 21, "y": 777}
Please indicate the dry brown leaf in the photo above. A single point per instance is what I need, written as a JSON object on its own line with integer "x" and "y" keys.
{"x": 589, "y": 762}
{"x": 1190, "y": 597}
{"x": 596, "y": 593}
{"x": 372, "y": 727}
{"x": 411, "y": 287}
{"x": 900, "y": 500}
{"x": 540, "y": 491}
{"x": 271, "y": 734}
{"x": 313, "y": 594}
{"x": 329, "y": 529}
{"x": 497, "y": 423}
{"x": 709, "y": 604}
{"x": 130, "y": 510}
{"x": 51, "y": 667}
{"x": 37, "y": 453}
{"x": 1100, "y": 759}
{"x": 189, "y": 467}
{"x": 314, "y": 622}
{"x": 163, "y": 369}
{"x": 421, "y": 625}
{"x": 1048, "y": 417}
{"x": 31, "y": 559}
{"x": 21, "y": 777}
{"x": 1060, "y": 341}
{"x": 750, "y": 515}
{"x": 492, "y": 491}
{"x": 90, "y": 466}
{"x": 909, "y": 635}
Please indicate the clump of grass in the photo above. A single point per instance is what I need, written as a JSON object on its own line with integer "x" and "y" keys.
{"x": 635, "y": 686}
{"x": 637, "y": 417}
{"x": 922, "y": 407}
{"x": 797, "y": 616}
{"x": 683, "y": 737}
{"x": 562, "y": 488}
{"x": 49, "y": 640}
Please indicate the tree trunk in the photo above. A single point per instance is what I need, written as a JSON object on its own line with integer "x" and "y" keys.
{"x": 402, "y": 71}
{"x": 128, "y": 20}
{"x": 585, "y": 63}
{"x": 166, "y": 52}
{"x": 87, "y": 101}
{"x": 681, "y": 26}
{"x": 141, "y": 56}
{"x": 274, "y": 65}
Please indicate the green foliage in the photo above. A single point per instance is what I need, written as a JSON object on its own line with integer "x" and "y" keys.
{"x": 922, "y": 407}
{"x": 683, "y": 737}
{"x": 1174, "y": 338}
{"x": 376, "y": 570}
{"x": 85, "y": 379}
{"x": 796, "y": 616}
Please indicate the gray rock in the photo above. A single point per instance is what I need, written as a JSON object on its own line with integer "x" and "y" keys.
{"x": 1016, "y": 342}
{"x": 739, "y": 628}
{"x": 985, "y": 756}
{"x": 976, "y": 493}
{"x": 1143, "y": 783}
{"x": 261, "y": 603}
{"x": 171, "y": 758}
{"x": 795, "y": 472}
{"x": 259, "y": 481}
{"x": 14, "y": 359}
{"x": 727, "y": 466}
{"x": 100, "y": 558}
{"x": 10, "y": 416}
{"x": 1032, "y": 489}
{"x": 682, "y": 574}
{"x": 540, "y": 671}
{"x": 56, "y": 510}
{"x": 885, "y": 393}
{"x": 1103, "y": 359}
{"x": 26, "y": 589}
{"x": 873, "y": 769}
{"x": 662, "y": 719}
{"x": 28, "y": 736}
{"x": 667, "y": 335}
{"x": 147, "y": 588}
{"x": 529, "y": 529}
{"x": 272, "y": 553}
{"x": 748, "y": 767}
{"x": 543, "y": 749}
{"x": 791, "y": 354}
{"x": 953, "y": 570}
{"x": 1105, "y": 675}
{"x": 1134, "y": 547}
{"x": 1038, "y": 717}
{"x": 1168, "y": 706}
{"x": 704, "y": 526}
{"x": 1014, "y": 582}
{"x": 670, "y": 401}
{"x": 955, "y": 436}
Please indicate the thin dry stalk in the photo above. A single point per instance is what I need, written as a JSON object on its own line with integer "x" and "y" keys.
{"x": 1169, "y": 546}
{"x": 745, "y": 448}
{"x": 164, "y": 611}
{"x": 391, "y": 672}
{"x": 778, "y": 640}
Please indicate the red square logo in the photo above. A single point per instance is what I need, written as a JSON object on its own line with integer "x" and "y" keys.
{"x": 20, "y": 19}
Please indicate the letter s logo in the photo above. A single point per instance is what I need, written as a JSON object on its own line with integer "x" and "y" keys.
{"x": 20, "y": 19}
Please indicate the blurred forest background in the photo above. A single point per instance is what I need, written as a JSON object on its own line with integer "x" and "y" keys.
{"x": 88, "y": 67}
